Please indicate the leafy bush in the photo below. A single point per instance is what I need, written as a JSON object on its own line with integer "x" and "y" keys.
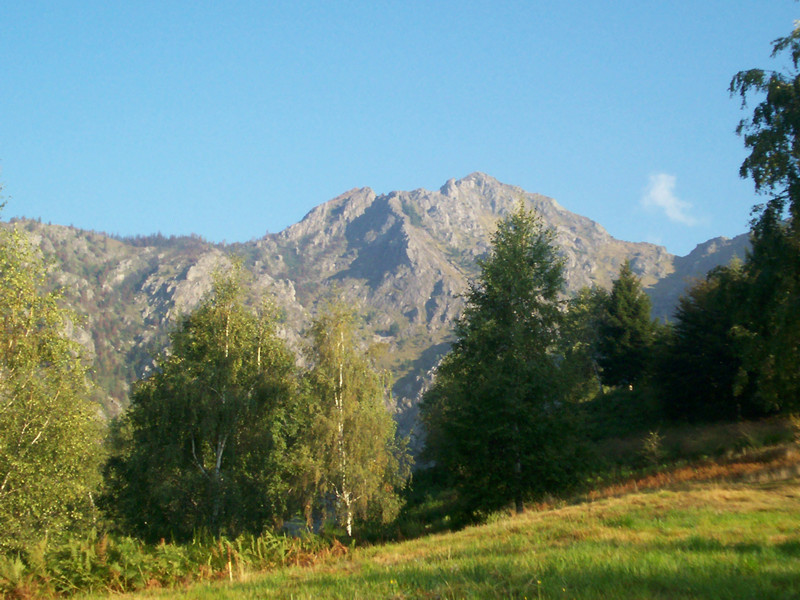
{"x": 101, "y": 562}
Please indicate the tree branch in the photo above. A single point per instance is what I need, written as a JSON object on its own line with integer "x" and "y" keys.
{"x": 196, "y": 461}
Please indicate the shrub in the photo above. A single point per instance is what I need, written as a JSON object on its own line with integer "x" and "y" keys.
{"x": 101, "y": 562}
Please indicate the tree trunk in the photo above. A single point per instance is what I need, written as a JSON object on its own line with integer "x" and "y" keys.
{"x": 519, "y": 507}
{"x": 348, "y": 507}
{"x": 345, "y": 495}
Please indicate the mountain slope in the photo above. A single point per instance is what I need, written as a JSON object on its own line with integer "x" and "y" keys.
{"x": 692, "y": 267}
{"x": 402, "y": 260}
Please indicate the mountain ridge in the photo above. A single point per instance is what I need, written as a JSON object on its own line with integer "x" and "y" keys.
{"x": 402, "y": 259}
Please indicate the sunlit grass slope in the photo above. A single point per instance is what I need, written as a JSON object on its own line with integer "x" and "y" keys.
{"x": 700, "y": 541}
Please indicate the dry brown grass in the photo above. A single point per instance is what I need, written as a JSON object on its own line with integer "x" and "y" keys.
{"x": 695, "y": 441}
{"x": 762, "y": 466}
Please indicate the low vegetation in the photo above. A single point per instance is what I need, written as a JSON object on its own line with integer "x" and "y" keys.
{"x": 752, "y": 489}
{"x": 111, "y": 563}
{"x": 694, "y": 540}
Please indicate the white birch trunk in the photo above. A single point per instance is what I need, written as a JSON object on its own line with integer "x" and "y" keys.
{"x": 344, "y": 493}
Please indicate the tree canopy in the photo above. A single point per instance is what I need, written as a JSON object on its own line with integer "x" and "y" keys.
{"x": 770, "y": 329}
{"x": 50, "y": 433}
{"x": 210, "y": 431}
{"x": 772, "y": 133}
{"x": 580, "y": 341}
{"x": 494, "y": 417}
{"x": 354, "y": 456}
{"x": 627, "y": 332}
{"x": 698, "y": 366}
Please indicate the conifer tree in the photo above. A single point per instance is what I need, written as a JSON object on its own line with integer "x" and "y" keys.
{"x": 495, "y": 417}
{"x": 627, "y": 333}
{"x": 697, "y": 368}
{"x": 579, "y": 342}
{"x": 770, "y": 330}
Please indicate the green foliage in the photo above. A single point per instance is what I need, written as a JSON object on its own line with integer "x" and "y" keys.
{"x": 627, "y": 333}
{"x": 495, "y": 417}
{"x": 772, "y": 132}
{"x": 770, "y": 329}
{"x": 207, "y": 442}
{"x": 430, "y": 505}
{"x": 621, "y": 413}
{"x": 735, "y": 350}
{"x": 697, "y": 369}
{"x": 730, "y": 543}
{"x": 105, "y": 563}
{"x": 353, "y": 454}
{"x": 49, "y": 431}
{"x": 579, "y": 340}
{"x": 653, "y": 448}
{"x": 768, "y": 333}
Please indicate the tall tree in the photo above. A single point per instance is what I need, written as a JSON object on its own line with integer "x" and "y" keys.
{"x": 697, "y": 368}
{"x": 772, "y": 133}
{"x": 771, "y": 330}
{"x": 627, "y": 333}
{"x": 495, "y": 417}
{"x": 210, "y": 432}
{"x": 580, "y": 339}
{"x": 49, "y": 431}
{"x": 355, "y": 457}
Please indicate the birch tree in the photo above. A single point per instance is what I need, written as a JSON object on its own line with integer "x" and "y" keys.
{"x": 49, "y": 431}
{"x": 211, "y": 430}
{"x": 355, "y": 457}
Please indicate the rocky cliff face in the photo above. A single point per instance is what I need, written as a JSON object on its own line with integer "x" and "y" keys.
{"x": 401, "y": 259}
{"x": 693, "y": 267}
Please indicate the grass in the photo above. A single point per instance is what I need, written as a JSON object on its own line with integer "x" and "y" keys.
{"x": 696, "y": 540}
{"x": 683, "y": 511}
{"x": 693, "y": 442}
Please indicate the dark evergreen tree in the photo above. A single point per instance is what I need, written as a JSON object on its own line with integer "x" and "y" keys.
{"x": 627, "y": 333}
{"x": 697, "y": 369}
{"x": 206, "y": 442}
{"x": 580, "y": 339}
{"x": 495, "y": 418}
{"x": 769, "y": 330}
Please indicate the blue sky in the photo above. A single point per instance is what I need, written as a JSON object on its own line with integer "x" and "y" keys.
{"x": 231, "y": 119}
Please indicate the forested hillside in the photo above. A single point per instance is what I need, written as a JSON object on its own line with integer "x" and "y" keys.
{"x": 402, "y": 259}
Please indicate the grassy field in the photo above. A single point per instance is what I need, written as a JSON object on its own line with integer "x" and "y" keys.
{"x": 697, "y": 540}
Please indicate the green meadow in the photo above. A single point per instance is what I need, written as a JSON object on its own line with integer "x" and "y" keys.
{"x": 697, "y": 540}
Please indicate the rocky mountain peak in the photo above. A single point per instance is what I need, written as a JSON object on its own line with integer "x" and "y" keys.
{"x": 402, "y": 260}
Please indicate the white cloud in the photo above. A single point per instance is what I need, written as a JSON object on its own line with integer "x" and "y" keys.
{"x": 660, "y": 195}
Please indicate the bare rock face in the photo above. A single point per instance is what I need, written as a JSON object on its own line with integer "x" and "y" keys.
{"x": 402, "y": 260}
{"x": 666, "y": 291}
{"x": 405, "y": 259}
